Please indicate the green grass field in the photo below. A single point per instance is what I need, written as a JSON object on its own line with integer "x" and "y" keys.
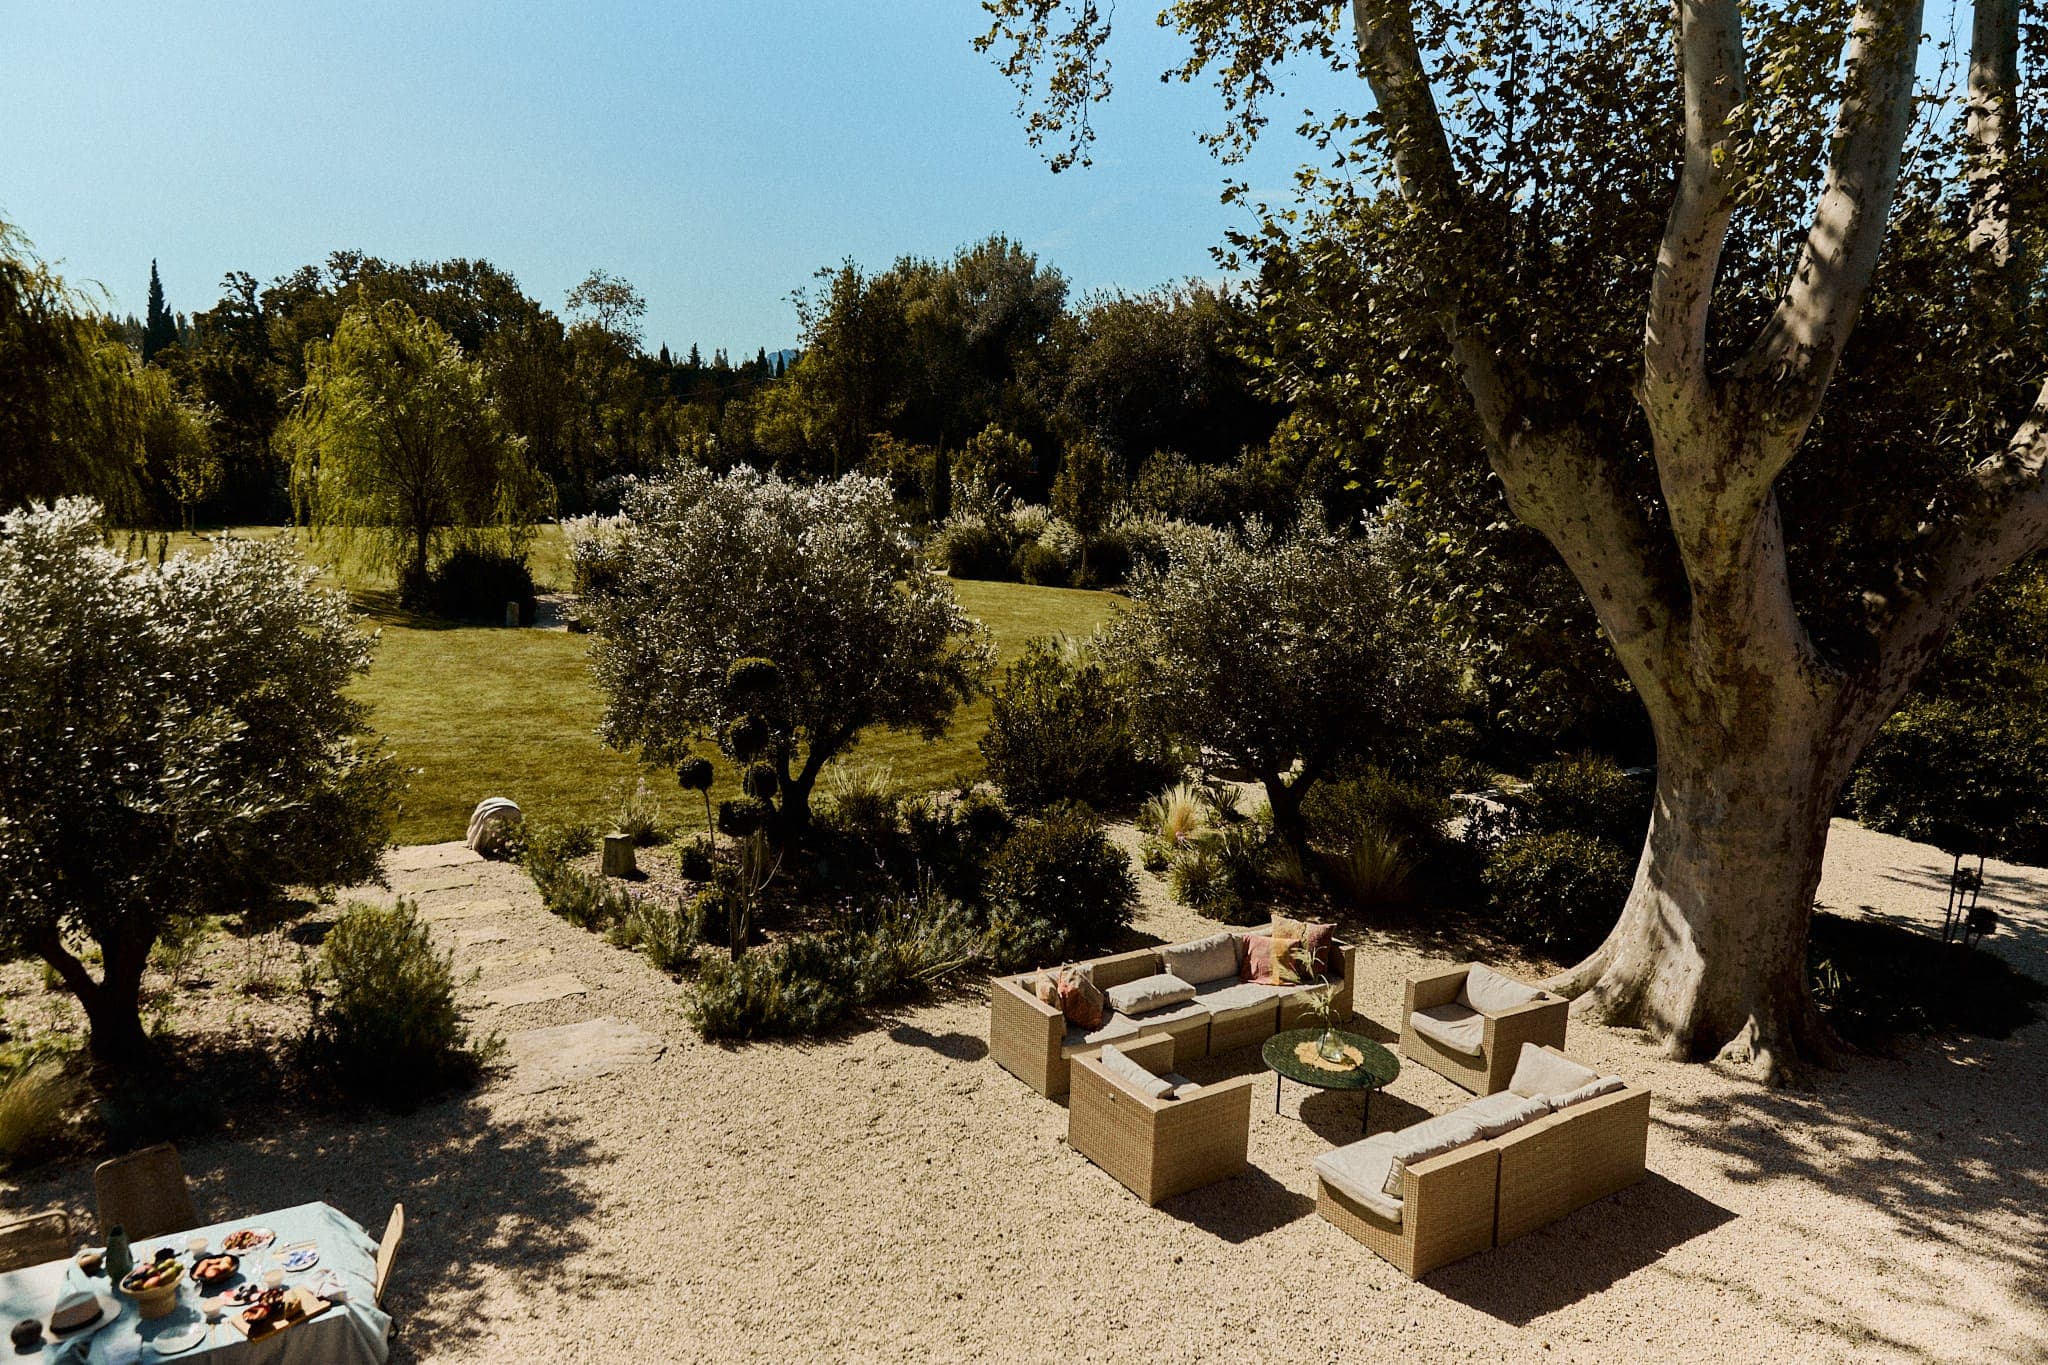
{"x": 482, "y": 711}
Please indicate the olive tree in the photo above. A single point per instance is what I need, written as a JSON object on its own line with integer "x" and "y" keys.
{"x": 395, "y": 443}
{"x": 175, "y": 741}
{"x": 1285, "y": 657}
{"x": 1626, "y": 248}
{"x": 821, "y": 581}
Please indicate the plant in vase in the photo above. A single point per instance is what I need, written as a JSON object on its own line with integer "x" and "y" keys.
{"x": 1320, "y": 1005}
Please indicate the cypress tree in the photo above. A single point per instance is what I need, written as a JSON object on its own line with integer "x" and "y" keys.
{"x": 158, "y": 329}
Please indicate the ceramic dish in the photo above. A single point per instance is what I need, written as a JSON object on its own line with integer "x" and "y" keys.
{"x": 247, "y": 1239}
{"x": 179, "y": 1339}
{"x": 303, "y": 1259}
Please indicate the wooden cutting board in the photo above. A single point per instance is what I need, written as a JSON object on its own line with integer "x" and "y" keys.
{"x": 310, "y": 1306}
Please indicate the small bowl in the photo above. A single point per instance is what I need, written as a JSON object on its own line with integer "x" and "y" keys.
{"x": 234, "y": 1265}
{"x": 160, "y": 1301}
{"x": 273, "y": 1279}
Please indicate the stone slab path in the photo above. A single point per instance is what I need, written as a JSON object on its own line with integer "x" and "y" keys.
{"x": 553, "y": 1023}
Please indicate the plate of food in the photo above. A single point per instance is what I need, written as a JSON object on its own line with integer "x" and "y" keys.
{"x": 216, "y": 1269}
{"x": 299, "y": 1259}
{"x": 247, "y": 1239}
{"x": 245, "y": 1293}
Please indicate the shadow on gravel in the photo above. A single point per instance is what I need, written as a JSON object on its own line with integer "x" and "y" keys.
{"x": 484, "y": 1201}
{"x": 960, "y": 1047}
{"x": 1581, "y": 1254}
{"x": 1240, "y": 1208}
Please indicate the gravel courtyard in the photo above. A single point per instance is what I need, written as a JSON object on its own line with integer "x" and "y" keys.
{"x": 895, "y": 1196}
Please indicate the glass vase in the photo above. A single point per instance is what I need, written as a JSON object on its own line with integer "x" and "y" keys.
{"x": 1330, "y": 1047}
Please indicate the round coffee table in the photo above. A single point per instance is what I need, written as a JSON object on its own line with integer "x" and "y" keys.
{"x": 1378, "y": 1068}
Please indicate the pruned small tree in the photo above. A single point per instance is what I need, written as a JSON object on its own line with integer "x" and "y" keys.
{"x": 818, "y": 583}
{"x": 1284, "y": 657}
{"x": 176, "y": 740}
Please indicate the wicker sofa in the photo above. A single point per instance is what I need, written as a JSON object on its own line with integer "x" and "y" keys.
{"x": 1476, "y": 1047}
{"x": 1033, "y": 1041}
{"x": 1486, "y": 1192}
{"x": 1158, "y": 1146}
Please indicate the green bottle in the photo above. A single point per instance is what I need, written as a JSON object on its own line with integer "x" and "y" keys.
{"x": 119, "y": 1260}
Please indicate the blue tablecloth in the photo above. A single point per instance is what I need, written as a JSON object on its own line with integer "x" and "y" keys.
{"x": 351, "y": 1333}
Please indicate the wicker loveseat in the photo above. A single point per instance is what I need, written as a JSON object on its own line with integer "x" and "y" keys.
{"x": 1158, "y": 1145}
{"x": 1033, "y": 1041}
{"x": 1511, "y": 1176}
{"x": 1475, "y": 1040}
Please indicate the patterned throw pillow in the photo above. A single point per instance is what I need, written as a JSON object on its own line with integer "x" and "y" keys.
{"x": 1269, "y": 960}
{"x": 1319, "y": 939}
{"x": 1078, "y": 998}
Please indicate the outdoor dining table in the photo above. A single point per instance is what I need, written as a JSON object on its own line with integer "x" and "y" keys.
{"x": 350, "y": 1333}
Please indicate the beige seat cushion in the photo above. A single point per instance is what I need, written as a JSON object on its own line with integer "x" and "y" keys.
{"x": 1223, "y": 996}
{"x": 1454, "y": 1026}
{"x": 1206, "y": 959}
{"x": 1543, "y": 1073}
{"x": 1149, "y": 993}
{"x": 1124, "y": 1026}
{"x": 1591, "y": 1090}
{"x": 1489, "y": 992}
{"x": 1182, "y": 1086}
{"x": 1418, "y": 1142}
{"x": 1503, "y": 1112}
{"x": 1360, "y": 1171}
{"x": 1133, "y": 1076}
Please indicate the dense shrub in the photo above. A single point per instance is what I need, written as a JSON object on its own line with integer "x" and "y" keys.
{"x": 896, "y": 947}
{"x": 586, "y": 901}
{"x": 1060, "y": 729}
{"x": 1558, "y": 891}
{"x": 693, "y": 860}
{"x": 1062, "y": 869}
{"x": 974, "y": 549}
{"x": 1965, "y": 776}
{"x": 1040, "y": 564}
{"x": 1587, "y": 795}
{"x": 385, "y": 1024}
{"x": 475, "y": 585}
{"x": 953, "y": 840}
{"x": 664, "y": 931}
{"x": 1343, "y": 811}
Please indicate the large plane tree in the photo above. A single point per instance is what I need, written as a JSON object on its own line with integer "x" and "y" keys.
{"x": 1741, "y": 304}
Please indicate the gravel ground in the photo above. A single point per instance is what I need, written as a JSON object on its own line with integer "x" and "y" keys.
{"x": 895, "y": 1196}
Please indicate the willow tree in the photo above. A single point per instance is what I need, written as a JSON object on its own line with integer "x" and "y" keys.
{"x": 1627, "y": 250}
{"x": 396, "y": 445}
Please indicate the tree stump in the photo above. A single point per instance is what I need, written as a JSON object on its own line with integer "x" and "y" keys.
{"x": 511, "y": 613}
{"x": 618, "y": 856}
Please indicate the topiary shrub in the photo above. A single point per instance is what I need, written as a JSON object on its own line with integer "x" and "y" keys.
{"x": 1060, "y": 730}
{"x": 1062, "y": 869}
{"x": 475, "y": 585}
{"x": 693, "y": 860}
{"x": 1560, "y": 892}
{"x": 385, "y": 1024}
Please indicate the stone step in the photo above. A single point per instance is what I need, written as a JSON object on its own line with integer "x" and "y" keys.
{"x": 560, "y": 986}
{"x": 548, "y": 1058}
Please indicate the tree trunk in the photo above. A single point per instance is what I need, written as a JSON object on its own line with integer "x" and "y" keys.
{"x": 1709, "y": 954}
{"x": 1284, "y": 798}
{"x": 113, "y": 1004}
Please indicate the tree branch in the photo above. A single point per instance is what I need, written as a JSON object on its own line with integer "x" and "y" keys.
{"x": 1788, "y": 367}
{"x": 2000, "y": 519}
{"x": 1710, "y": 56}
{"x": 1993, "y": 130}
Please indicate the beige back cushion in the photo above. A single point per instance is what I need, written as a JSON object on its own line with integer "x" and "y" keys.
{"x": 1593, "y": 1089}
{"x": 1487, "y": 991}
{"x": 1133, "y": 1075}
{"x": 1202, "y": 961}
{"x": 1543, "y": 1073}
{"x": 1149, "y": 993}
{"x": 1421, "y": 1141}
{"x": 1503, "y": 1112}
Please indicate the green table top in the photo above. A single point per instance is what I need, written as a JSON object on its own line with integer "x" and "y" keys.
{"x": 1379, "y": 1067}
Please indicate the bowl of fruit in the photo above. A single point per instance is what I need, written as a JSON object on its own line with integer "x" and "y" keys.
{"x": 154, "y": 1284}
{"x": 215, "y": 1268}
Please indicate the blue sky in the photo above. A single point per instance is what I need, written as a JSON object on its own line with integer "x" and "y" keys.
{"x": 713, "y": 152}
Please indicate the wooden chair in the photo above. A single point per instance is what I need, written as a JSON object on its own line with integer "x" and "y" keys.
{"x": 145, "y": 1193}
{"x": 35, "y": 1239}
{"x": 387, "y": 1250}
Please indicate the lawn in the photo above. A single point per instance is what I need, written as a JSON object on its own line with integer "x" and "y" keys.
{"x": 484, "y": 711}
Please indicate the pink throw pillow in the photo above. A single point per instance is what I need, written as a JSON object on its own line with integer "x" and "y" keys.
{"x": 1079, "y": 1000}
{"x": 1319, "y": 939}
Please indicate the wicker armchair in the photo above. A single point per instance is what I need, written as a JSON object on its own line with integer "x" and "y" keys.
{"x": 1158, "y": 1148}
{"x": 1446, "y": 1211}
{"x": 1541, "y": 1021}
